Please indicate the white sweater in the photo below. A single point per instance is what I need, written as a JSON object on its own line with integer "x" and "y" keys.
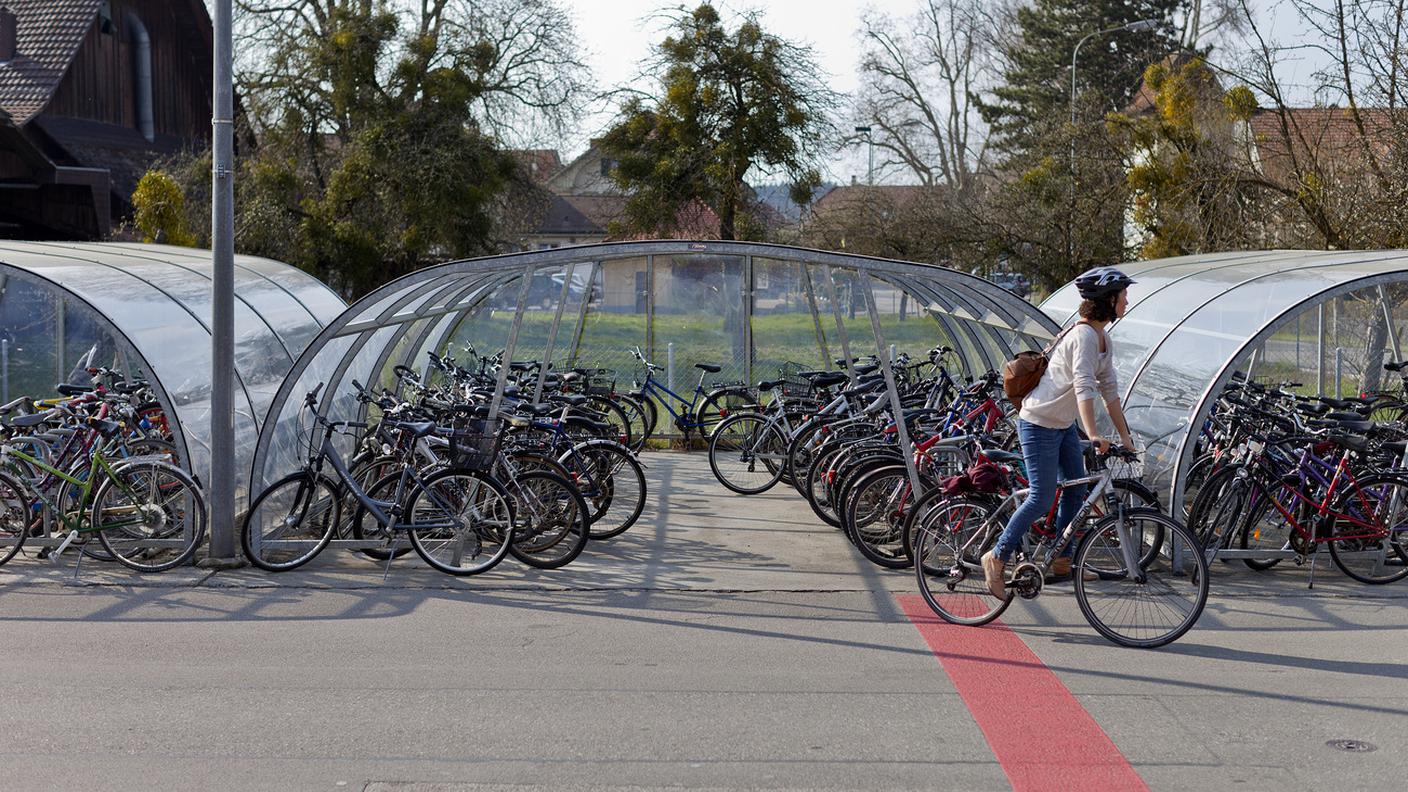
{"x": 1077, "y": 372}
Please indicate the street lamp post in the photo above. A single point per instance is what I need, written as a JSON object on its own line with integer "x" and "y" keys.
{"x": 1133, "y": 27}
{"x": 870, "y": 145}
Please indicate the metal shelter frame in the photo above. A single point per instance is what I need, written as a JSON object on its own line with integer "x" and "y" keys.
{"x": 152, "y": 306}
{"x": 429, "y": 309}
{"x": 1194, "y": 321}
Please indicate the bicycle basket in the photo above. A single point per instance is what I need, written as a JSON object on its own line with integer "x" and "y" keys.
{"x": 601, "y": 382}
{"x": 793, "y": 385}
{"x": 474, "y": 445}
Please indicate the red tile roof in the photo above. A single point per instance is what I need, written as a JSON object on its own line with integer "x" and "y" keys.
{"x": 49, "y": 34}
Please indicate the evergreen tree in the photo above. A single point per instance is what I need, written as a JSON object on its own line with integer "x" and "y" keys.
{"x": 1057, "y": 215}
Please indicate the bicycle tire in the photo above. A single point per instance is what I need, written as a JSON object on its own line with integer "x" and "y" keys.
{"x": 720, "y": 403}
{"x": 16, "y": 516}
{"x": 948, "y": 547}
{"x": 613, "y": 483}
{"x": 754, "y": 440}
{"x": 300, "y": 504}
{"x": 550, "y": 520}
{"x": 874, "y": 522}
{"x": 170, "y": 504}
{"x": 1100, "y": 552}
{"x": 614, "y": 415}
{"x": 481, "y": 511}
{"x": 1388, "y": 554}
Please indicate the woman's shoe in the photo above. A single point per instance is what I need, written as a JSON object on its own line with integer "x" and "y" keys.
{"x": 1061, "y": 570}
{"x": 993, "y": 570}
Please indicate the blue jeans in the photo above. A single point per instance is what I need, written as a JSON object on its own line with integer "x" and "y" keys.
{"x": 1050, "y": 455}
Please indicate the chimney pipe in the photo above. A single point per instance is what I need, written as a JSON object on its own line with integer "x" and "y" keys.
{"x": 9, "y": 34}
{"x": 142, "y": 53}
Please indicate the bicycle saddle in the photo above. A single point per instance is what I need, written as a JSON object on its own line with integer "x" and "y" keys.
{"x": 1396, "y": 447}
{"x": 417, "y": 429}
{"x": 67, "y": 389}
{"x": 767, "y": 385}
{"x": 1004, "y": 457}
{"x": 709, "y": 367}
{"x": 539, "y": 410}
{"x": 868, "y": 368}
{"x": 572, "y": 399}
{"x": 1396, "y": 366}
{"x": 1356, "y": 425}
{"x": 23, "y": 421}
{"x": 14, "y": 405}
{"x": 826, "y": 379}
{"x": 1313, "y": 409}
{"x": 1343, "y": 416}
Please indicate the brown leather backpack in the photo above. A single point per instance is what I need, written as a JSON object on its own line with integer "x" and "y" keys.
{"x": 1021, "y": 374}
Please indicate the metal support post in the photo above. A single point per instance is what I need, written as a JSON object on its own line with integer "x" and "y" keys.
{"x": 5, "y": 370}
{"x": 816, "y": 316}
{"x": 1389, "y": 326}
{"x": 650, "y": 308}
{"x": 670, "y": 365}
{"x": 552, "y": 333}
{"x": 840, "y": 322}
{"x": 582, "y": 314}
{"x": 1251, "y": 363}
{"x": 222, "y": 309}
{"x": 501, "y": 381}
{"x": 61, "y": 342}
{"x": 1320, "y": 350}
{"x": 886, "y": 359}
{"x": 1339, "y": 371}
{"x": 748, "y": 320}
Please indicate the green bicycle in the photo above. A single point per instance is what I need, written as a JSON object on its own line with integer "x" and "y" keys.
{"x": 148, "y": 514}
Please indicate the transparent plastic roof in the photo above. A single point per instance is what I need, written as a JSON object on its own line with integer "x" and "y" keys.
{"x": 146, "y": 308}
{"x": 749, "y": 308}
{"x": 1195, "y": 320}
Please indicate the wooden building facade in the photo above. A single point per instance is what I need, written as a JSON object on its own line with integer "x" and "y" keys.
{"x": 92, "y": 92}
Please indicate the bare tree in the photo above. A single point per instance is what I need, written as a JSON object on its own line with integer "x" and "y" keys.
{"x": 920, "y": 76}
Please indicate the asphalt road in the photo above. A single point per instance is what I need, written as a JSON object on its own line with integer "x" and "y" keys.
{"x": 723, "y": 643}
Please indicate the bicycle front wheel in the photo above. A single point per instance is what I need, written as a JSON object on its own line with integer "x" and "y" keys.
{"x": 950, "y": 536}
{"x": 1147, "y": 603}
{"x": 150, "y": 515}
{"x": 460, "y": 521}
{"x": 16, "y": 516}
{"x": 747, "y": 453}
{"x": 611, "y": 481}
{"x": 291, "y": 522}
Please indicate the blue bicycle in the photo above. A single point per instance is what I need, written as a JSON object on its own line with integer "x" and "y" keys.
{"x": 701, "y": 411}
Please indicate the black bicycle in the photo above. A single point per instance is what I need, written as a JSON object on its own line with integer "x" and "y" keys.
{"x": 458, "y": 519}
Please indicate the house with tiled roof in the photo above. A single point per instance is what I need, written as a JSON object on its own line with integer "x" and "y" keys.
{"x": 92, "y": 93}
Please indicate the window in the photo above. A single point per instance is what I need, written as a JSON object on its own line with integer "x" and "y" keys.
{"x": 606, "y": 165}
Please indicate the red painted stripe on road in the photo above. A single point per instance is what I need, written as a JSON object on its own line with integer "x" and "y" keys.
{"x": 1043, "y": 738}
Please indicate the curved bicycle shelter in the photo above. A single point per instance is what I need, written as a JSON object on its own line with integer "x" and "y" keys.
{"x": 1324, "y": 320}
{"x": 145, "y": 310}
{"x": 748, "y": 307}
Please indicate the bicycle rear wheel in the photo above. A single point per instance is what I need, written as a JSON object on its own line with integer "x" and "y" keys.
{"x": 551, "y": 520}
{"x": 613, "y": 484}
{"x": 949, "y": 537}
{"x": 460, "y": 521}
{"x": 291, "y": 522}
{"x": 1370, "y": 541}
{"x": 149, "y": 515}
{"x": 1151, "y": 602}
{"x": 875, "y": 514}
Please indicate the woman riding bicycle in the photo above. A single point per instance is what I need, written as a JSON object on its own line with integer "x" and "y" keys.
{"x": 1081, "y": 366}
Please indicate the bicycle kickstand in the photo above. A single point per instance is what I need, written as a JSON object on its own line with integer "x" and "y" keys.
{"x": 1314, "y": 554}
{"x": 64, "y": 545}
{"x": 390, "y": 556}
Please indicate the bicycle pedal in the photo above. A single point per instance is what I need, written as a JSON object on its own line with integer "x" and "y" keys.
{"x": 68, "y": 540}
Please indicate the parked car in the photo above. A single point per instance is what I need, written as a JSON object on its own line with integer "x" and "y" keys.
{"x": 1014, "y": 282}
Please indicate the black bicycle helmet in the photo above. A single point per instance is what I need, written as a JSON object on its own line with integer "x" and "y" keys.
{"x": 1101, "y": 282}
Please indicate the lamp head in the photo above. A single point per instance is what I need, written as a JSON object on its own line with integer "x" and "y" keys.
{"x": 1142, "y": 25}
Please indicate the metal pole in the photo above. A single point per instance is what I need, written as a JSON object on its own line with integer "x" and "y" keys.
{"x": 1320, "y": 350}
{"x": 1389, "y": 326}
{"x": 650, "y": 308}
{"x": 582, "y": 314}
{"x": 748, "y": 286}
{"x": 222, "y": 320}
{"x": 840, "y": 323}
{"x": 61, "y": 341}
{"x": 806, "y": 271}
{"x": 502, "y": 381}
{"x": 552, "y": 333}
{"x": 5, "y": 370}
{"x": 1339, "y": 363}
{"x": 670, "y": 365}
{"x": 896, "y": 408}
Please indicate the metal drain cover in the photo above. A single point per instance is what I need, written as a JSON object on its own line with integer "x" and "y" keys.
{"x": 1352, "y": 746}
